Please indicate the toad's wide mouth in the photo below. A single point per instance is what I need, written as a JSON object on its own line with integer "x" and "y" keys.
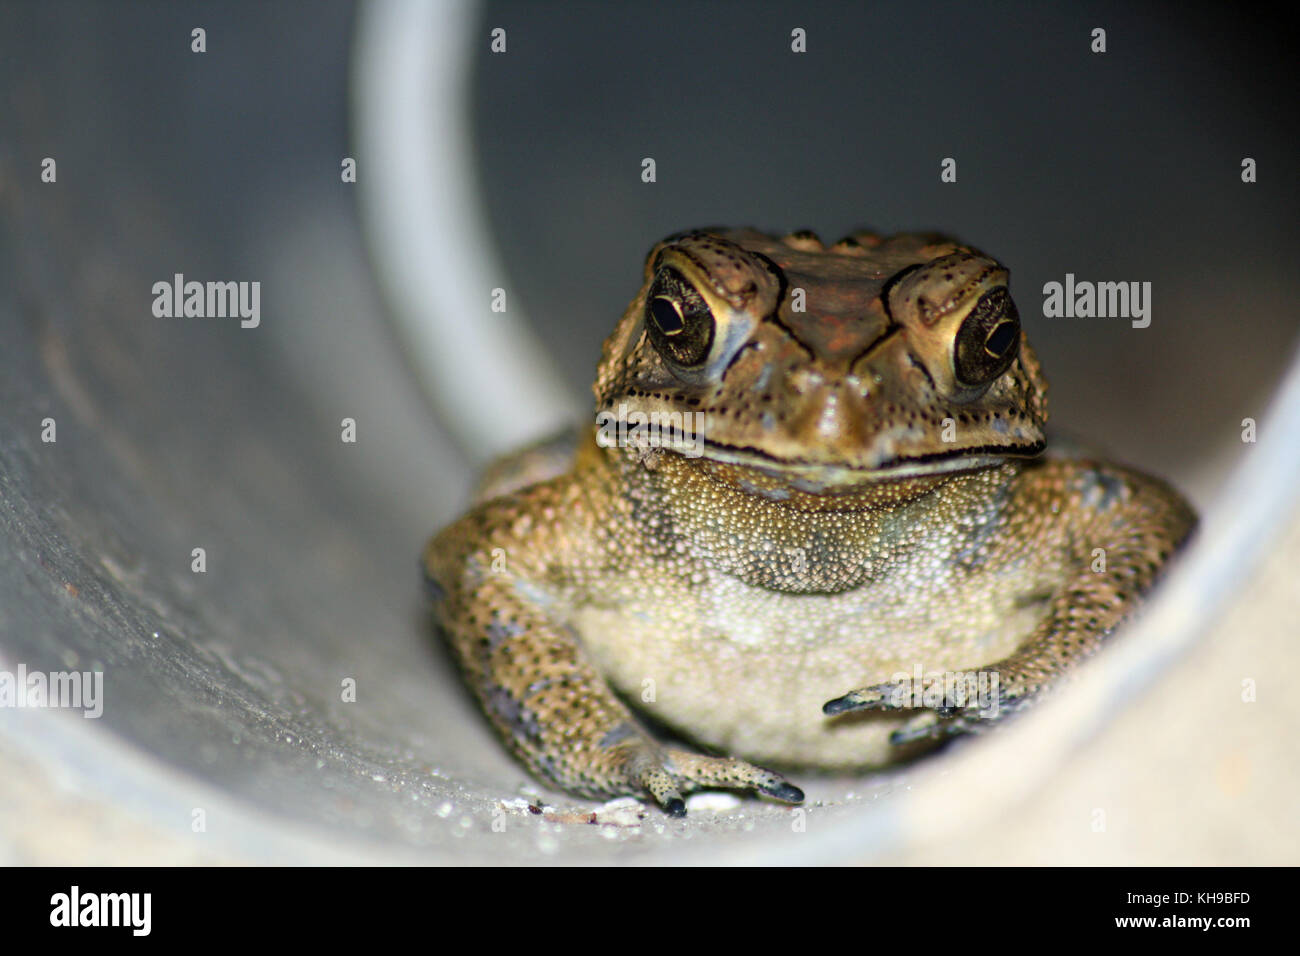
{"x": 827, "y": 462}
{"x": 814, "y": 475}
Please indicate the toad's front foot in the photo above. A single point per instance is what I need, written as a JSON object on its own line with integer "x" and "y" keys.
{"x": 941, "y": 710}
{"x": 668, "y": 773}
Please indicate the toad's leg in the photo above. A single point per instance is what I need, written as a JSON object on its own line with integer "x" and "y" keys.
{"x": 1116, "y": 529}
{"x": 500, "y": 576}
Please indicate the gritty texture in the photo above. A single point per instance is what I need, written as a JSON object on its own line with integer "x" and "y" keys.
{"x": 865, "y": 501}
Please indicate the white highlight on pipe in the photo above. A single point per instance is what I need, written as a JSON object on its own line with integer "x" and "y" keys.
{"x": 485, "y": 372}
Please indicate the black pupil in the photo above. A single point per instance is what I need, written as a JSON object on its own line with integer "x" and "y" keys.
{"x": 1000, "y": 339}
{"x": 666, "y": 316}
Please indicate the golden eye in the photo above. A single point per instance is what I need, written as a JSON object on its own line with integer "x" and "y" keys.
{"x": 988, "y": 340}
{"x": 678, "y": 320}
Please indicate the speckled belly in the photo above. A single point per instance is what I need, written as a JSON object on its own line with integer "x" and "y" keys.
{"x": 747, "y": 670}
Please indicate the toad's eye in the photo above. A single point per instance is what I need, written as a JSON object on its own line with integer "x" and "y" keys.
{"x": 664, "y": 313}
{"x": 988, "y": 340}
{"x": 678, "y": 320}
